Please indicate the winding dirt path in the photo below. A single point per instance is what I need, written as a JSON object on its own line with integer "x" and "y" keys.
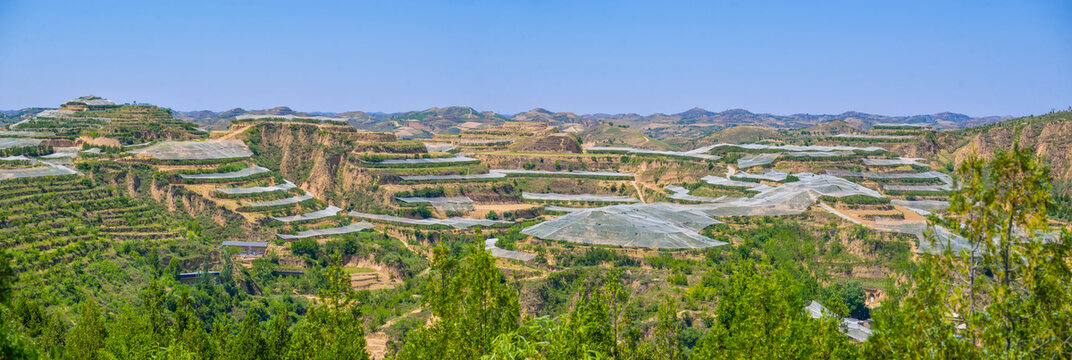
{"x": 376, "y": 342}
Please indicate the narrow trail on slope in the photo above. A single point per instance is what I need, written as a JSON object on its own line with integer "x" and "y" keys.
{"x": 376, "y": 342}
{"x": 639, "y": 193}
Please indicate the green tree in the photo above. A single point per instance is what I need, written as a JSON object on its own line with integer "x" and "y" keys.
{"x": 277, "y": 336}
{"x": 473, "y": 304}
{"x": 332, "y": 330}
{"x": 590, "y": 331}
{"x": 852, "y": 295}
{"x": 1006, "y": 295}
{"x": 248, "y": 342}
{"x": 761, "y": 316}
{"x": 13, "y": 343}
{"x": 87, "y": 337}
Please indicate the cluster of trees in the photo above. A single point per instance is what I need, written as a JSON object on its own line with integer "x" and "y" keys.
{"x": 858, "y": 199}
{"x": 437, "y": 191}
{"x": 169, "y": 325}
{"x": 33, "y": 150}
{"x": 1006, "y": 295}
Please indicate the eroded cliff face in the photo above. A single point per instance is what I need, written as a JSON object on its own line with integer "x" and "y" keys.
{"x": 321, "y": 160}
{"x": 929, "y": 146}
{"x": 1049, "y": 136}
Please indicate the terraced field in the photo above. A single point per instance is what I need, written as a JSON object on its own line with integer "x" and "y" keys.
{"x": 92, "y": 232}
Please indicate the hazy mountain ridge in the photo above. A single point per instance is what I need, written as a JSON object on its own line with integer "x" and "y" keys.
{"x": 446, "y": 117}
{"x": 735, "y": 117}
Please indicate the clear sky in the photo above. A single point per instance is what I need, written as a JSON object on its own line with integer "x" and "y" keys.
{"x": 976, "y": 57}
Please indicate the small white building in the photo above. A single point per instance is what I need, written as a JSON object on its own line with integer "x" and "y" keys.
{"x": 247, "y": 248}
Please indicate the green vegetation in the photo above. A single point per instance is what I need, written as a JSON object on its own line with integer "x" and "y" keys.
{"x": 134, "y": 124}
{"x": 423, "y": 192}
{"x": 36, "y": 150}
{"x": 855, "y": 200}
{"x": 1009, "y": 293}
{"x": 290, "y": 120}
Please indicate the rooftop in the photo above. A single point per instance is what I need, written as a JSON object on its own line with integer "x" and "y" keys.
{"x": 245, "y": 243}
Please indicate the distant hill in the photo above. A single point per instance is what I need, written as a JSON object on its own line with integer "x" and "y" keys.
{"x": 1050, "y": 136}
{"x": 451, "y": 119}
{"x": 696, "y": 123}
{"x": 607, "y": 135}
{"x": 11, "y": 116}
{"x": 738, "y": 135}
{"x": 829, "y": 128}
{"x": 738, "y": 117}
{"x": 558, "y": 118}
{"x": 221, "y": 120}
{"x": 676, "y": 128}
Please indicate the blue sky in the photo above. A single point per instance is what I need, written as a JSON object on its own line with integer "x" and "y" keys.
{"x": 893, "y": 57}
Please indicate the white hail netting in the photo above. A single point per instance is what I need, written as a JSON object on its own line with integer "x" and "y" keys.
{"x": 25, "y": 133}
{"x": 352, "y": 228}
{"x": 438, "y": 147}
{"x": 502, "y": 173}
{"x": 772, "y": 175}
{"x": 486, "y": 142}
{"x": 881, "y": 137}
{"x": 681, "y": 193}
{"x": 488, "y": 175}
{"x": 563, "y": 173}
{"x": 257, "y": 189}
{"x": 455, "y": 222}
{"x": 850, "y": 327}
{"x": 287, "y": 117}
{"x": 700, "y": 153}
{"x": 721, "y": 181}
{"x": 92, "y": 151}
{"x": 917, "y": 187}
{"x": 922, "y": 207}
{"x": 787, "y": 199}
{"x": 56, "y": 113}
{"x": 446, "y": 160}
{"x": 17, "y": 142}
{"x": 820, "y": 153}
{"x": 575, "y": 197}
{"x": 944, "y": 178}
{"x": 454, "y": 203}
{"x": 63, "y": 154}
{"x": 658, "y": 225}
{"x": 196, "y": 150}
{"x": 873, "y": 175}
{"x": 561, "y": 208}
{"x": 920, "y": 126}
{"x": 894, "y": 162}
{"x": 489, "y": 245}
{"x": 287, "y": 201}
{"x": 800, "y": 147}
{"x": 37, "y": 171}
{"x": 757, "y": 160}
{"x": 253, "y": 170}
{"x": 18, "y": 158}
{"x": 328, "y": 212}
{"x": 942, "y": 237}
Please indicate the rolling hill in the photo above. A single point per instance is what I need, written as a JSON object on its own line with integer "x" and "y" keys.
{"x": 607, "y": 135}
